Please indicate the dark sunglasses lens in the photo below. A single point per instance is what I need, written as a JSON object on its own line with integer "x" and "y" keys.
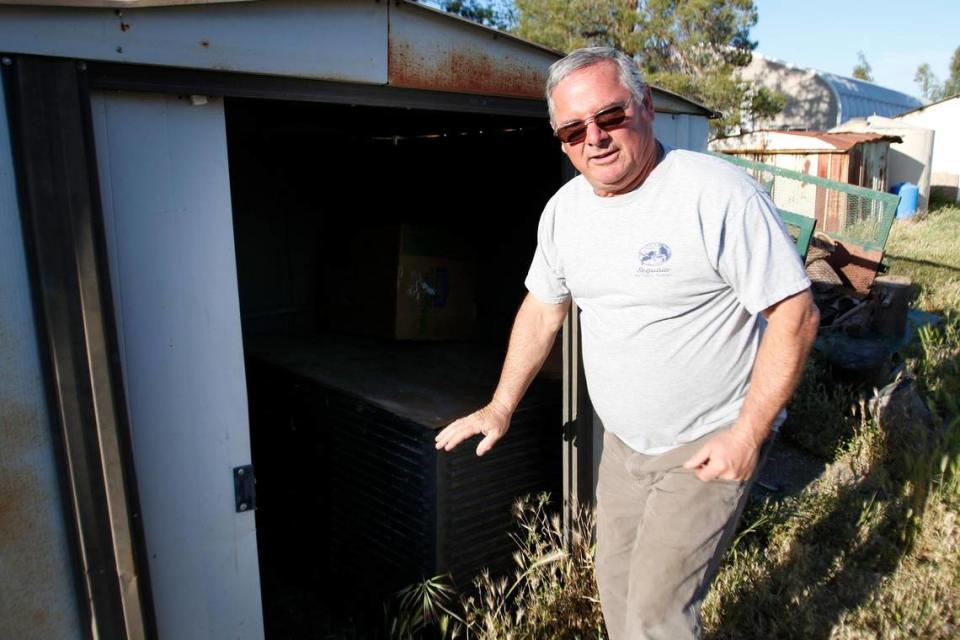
{"x": 575, "y": 132}
{"x": 611, "y": 117}
{"x": 572, "y": 133}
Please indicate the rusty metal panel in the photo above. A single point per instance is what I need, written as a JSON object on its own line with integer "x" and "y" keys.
{"x": 874, "y": 164}
{"x": 39, "y": 599}
{"x": 842, "y": 141}
{"x": 326, "y": 40}
{"x": 114, "y": 4}
{"x": 430, "y": 50}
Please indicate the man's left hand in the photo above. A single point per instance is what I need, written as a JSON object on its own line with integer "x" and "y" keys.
{"x": 731, "y": 455}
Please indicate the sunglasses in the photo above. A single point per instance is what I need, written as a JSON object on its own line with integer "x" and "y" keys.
{"x": 606, "y": 119}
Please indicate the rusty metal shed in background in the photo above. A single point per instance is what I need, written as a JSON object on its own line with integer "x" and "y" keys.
{"x": 859, "y": 159}
{"x": 123, "y": 396}
{"x": 855, "y": 158}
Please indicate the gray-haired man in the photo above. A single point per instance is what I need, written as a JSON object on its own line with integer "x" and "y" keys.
{"x": 677, "y": 261}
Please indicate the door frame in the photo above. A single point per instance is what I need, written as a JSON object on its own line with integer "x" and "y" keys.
{"x": 59, "y": 200}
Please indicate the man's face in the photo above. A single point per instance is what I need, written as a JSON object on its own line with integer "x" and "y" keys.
{"x": 614, "y": 161}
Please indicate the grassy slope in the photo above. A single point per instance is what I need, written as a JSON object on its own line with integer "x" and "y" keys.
{"x": 872, "y": 549}
{"x": 928, "y": 250}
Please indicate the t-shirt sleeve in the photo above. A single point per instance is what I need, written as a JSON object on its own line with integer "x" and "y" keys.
{"x": 545, "y": 279}
{"x": 758, "y": 258}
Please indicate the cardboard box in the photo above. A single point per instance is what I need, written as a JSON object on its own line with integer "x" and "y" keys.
{"x": 405, "y": 282}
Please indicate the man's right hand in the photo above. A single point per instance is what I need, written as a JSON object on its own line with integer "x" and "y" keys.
{"x": 492, "y": 421}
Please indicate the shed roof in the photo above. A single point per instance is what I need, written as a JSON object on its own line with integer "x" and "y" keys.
{"x": 406, "y": 44}
{"x": 859, "y": 98}
{"x": 932, "y": 104}
{"x": 799, "y": 141}
{"x": 843, "y": 141}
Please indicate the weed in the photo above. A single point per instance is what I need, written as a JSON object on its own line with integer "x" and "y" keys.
{"x": 552, "y": 596}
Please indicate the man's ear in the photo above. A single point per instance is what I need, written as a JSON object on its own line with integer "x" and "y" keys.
{"x": 648, "y": 102}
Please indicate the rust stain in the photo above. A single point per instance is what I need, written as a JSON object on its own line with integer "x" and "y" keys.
{"x": 463, "y": 71}
{"x": 30, "y": 550}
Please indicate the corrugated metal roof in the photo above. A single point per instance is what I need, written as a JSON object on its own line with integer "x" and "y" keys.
{"x": 843, "y": 141}
{"x": 855, "y": 98}
{"x": 798, "y": 141}
{"x": 859, "y": 99}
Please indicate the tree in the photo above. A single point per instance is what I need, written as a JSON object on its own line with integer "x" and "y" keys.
{"x": 861, "y": 70}
{"x": 761, "y": 104}
{"x": 952, "y": 86}
{"x": 490, "y": 13}
{"x": 692, "y": 47}
{"x": 930, "y": 87}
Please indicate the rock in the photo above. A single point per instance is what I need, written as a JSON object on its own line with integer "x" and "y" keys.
{"x": 904, "y": 418}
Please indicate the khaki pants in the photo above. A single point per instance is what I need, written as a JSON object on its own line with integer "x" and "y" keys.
{"x": 661, "y": 533}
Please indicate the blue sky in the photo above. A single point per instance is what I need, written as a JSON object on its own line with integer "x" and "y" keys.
{"x": 896, "y": 37}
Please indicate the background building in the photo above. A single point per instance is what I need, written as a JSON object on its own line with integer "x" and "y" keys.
{"x": 817, "y": 101}
{"x": 943, "y": 118}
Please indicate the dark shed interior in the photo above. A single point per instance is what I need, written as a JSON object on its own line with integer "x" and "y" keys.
{"x": 381, "y": 254}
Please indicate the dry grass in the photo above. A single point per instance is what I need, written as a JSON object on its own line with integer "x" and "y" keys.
{"x": 552, "y": 595}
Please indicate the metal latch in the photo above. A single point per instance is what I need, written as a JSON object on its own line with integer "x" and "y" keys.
{"x": 245, "y": 488}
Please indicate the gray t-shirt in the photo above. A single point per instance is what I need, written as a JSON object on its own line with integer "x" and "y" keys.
{"x": 670, "y": 279}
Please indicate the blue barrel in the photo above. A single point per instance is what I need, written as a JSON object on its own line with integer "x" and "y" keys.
{"x": 909, "y": 198}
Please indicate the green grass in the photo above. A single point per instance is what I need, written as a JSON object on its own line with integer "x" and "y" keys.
{"x": 927, "y": 249}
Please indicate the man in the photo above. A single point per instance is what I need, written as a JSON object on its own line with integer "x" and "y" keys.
{"x": 673, "y": 257}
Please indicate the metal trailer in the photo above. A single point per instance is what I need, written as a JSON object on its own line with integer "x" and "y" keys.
{"x": 123, "y": 395}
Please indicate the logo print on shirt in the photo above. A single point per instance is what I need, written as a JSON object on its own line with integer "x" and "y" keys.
{"x": 653, "y": 259}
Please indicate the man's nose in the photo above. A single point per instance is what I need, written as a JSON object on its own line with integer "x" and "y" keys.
{"x": 595, "y": 135}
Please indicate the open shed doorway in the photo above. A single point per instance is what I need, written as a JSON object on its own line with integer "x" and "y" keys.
{"x": 381, "y": 254}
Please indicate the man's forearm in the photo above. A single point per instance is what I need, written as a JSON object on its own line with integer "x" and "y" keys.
{"x": 533, "y": 336}
{"x": 791, "y": 330}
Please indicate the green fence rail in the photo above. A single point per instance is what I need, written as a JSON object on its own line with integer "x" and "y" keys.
{"x": 845, "y": 212}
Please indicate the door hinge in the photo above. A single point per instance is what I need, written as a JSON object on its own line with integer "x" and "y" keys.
{"x": 245, "y": 488}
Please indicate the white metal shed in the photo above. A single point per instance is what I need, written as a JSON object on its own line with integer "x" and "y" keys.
{"x": 941, "y": 117}
{"x": 124, "y": 390}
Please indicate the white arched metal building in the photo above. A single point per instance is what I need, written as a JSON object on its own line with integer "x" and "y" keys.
{"x": 818, "y": 101}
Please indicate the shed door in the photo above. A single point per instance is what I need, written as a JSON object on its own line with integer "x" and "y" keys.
{"x": 166, "y": 202}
